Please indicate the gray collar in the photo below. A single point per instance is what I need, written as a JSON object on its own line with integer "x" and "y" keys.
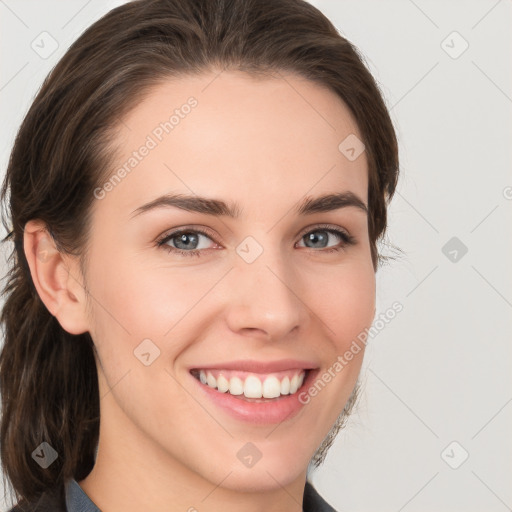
{"x": 77, "y": 500}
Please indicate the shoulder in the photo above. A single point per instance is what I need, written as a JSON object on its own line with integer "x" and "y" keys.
{"x": 313, "y": 502}
{"x": 52, "y": 500}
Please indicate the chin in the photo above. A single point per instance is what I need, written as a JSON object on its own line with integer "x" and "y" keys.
{"x": 270, "y": 472}
{"x": 264, "y": 479}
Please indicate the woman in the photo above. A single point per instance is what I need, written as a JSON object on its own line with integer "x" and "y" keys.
{"x": 196, "y": 197}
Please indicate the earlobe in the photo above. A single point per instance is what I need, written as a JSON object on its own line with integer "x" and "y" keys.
{"x": 57, "y": 281}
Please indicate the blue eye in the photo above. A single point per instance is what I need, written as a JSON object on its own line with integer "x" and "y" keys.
{"x": 188, "y": 238}
{"x": 315, "y": 238}
{"x": 187, "y": 241}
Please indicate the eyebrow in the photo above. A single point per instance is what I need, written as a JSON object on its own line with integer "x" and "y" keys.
{"x": 217, "y": 207}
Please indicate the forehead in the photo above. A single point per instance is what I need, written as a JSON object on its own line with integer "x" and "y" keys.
{"x": 231, "y": 135}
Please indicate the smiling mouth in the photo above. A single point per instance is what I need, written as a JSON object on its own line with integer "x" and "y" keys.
{"x": 252, "y": 386}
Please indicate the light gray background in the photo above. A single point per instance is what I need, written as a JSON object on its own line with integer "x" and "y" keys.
{"x": 440, "y": 371}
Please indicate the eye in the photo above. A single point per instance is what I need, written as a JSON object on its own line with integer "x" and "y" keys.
{"x": 186, "y": 242}
{"x": 319, "y": 238}
{"x": 191, "y": 242}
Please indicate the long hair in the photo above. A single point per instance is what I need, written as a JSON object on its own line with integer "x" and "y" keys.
{"x": 62, "y": 152}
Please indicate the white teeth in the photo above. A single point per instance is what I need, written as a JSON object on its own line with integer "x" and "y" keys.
{"x": 222, "y": 384}
{"x": 285, "y": 386}
{"x": 236, "y": 386}
{"x": 300, "y": 380}
{"x": 271, "y": 387}
{"x": 293, "y": 384}
{"x": 252, "y": 386}
{"x": 211, "y": 380}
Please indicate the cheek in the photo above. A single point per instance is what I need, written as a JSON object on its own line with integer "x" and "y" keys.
{"x": 345, "y": 302}
{"x": 141, "y": 301}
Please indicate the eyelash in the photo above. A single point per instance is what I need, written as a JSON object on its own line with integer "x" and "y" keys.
{"x": 346, "y": 240}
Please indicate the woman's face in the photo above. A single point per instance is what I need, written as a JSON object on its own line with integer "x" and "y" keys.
{"x": 256, "y": 297}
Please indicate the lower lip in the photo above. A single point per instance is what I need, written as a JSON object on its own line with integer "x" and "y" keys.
{"x": 275, "y": 410}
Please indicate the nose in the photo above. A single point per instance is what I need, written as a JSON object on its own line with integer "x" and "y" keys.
{"x": 265, "y": 298}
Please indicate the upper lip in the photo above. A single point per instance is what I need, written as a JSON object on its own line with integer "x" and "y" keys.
{"x": 249, "y": 365}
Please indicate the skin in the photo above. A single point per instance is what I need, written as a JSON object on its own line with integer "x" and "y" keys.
{"x": 268, "y": 142}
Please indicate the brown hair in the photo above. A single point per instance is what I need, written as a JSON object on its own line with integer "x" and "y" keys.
{"x": 62, "y": 152}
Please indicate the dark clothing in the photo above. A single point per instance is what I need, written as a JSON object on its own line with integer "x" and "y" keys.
{"x": 74, "y": 499}
{"x": 313, "y": 502}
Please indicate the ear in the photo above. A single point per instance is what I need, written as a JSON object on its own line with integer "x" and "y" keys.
{"x": 57, "y": 278}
